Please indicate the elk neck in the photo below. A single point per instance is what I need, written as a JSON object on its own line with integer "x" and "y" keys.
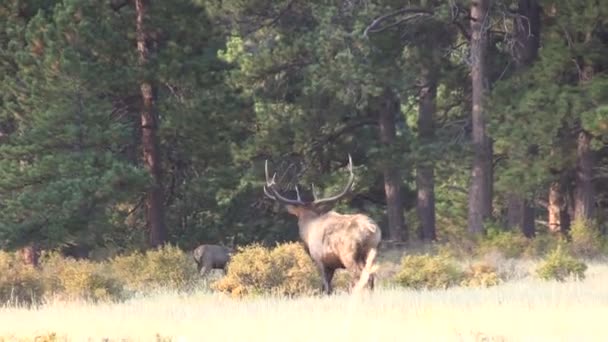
{"x": 306, "y": 216}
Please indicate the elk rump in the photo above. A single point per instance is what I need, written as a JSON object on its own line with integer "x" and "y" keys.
{"x": 208, "y": 257}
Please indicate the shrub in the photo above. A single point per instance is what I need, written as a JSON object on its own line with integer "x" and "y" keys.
{"x": 79, "y": 279}
{"x": 511, "y": 244}
{"x": 284, "y": 270}
{"x": 19, "y": 283}
{"x": 559, "y": 265}
{"x": 481, "y": 274}
{"x": 430, "y": 272}
{"x": 543, "y": 244}
{"x": 586, "y": 238}
{"x": 167, "y": 267}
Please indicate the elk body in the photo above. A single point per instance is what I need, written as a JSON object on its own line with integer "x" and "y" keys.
{"x": 208, "y": 257}
{"x": 333, "y": 240}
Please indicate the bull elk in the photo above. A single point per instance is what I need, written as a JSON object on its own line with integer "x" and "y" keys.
{"x": 332, "y": 240}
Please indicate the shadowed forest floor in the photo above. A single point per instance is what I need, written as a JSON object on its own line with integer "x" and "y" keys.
{"x": 522, "y": 310}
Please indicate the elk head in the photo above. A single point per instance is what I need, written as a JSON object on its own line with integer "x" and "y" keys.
{"x": 306, "y": 210}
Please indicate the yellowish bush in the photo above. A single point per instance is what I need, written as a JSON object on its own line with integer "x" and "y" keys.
{"x": 427, "y": 271}
{"x": 481, "y": 274}
{"x": 284, "y": 270}
{"x": 19, "y": 283}
{"x": 68, "y": 278}
{"x": 165, "y": 268}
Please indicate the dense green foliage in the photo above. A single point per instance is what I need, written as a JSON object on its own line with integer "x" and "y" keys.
{"x": 300, "y": 83}
{"x": 560, "y": 265}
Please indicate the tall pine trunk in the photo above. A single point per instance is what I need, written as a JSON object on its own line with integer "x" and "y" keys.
{"x": 392, "y": 178}
{"x": 480, "y": 192}
{"x": 520, "y": 213}
{"x": 559, "y": 218}
{"x": 155, "y": 217}
{"x": 425, "y": 182}
{"x": 584, "y": 194}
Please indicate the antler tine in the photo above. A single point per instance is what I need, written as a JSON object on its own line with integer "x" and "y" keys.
{"x": 266, "y": 173}
{"x": 298, "y": 194}
{"x": 350, "y": 163}
{"x": 271, "y": 191}
{"x": 314, "y": 191}
{"x": 347, "y": 188}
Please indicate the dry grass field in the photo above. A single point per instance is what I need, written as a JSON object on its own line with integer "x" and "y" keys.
{"x": 524, "y": 309}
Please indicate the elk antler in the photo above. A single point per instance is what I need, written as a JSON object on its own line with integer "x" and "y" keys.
{"x": 347, "y": 188}
{"x": 271, "y": 192}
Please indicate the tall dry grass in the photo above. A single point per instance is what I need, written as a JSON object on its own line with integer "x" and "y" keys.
{"x": 520, "y": 310}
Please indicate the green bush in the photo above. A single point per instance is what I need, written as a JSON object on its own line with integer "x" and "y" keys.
{"x": 481, "y": 274}
{"x": 586, "y": 237}
{"x": 19, "y": 283}
{"x": 543, "y": 243}
{"x": 165, "y": 268}
{"x": 559, "y": 265}
{"x": 429, "y": 272}
{"x": 511, "y": 244}
{"x": 67, "y": 278}
{"x": 284, "y": 270}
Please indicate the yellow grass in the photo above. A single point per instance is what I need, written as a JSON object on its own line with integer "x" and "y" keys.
{"x": 522, "y": 310}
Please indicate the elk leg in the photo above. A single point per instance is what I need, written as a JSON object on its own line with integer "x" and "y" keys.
{"x": 324, "y": 278}
{"x": 354, "y": 269}
{"x": 204, "y": 270}
{"x": 329, "y": 275}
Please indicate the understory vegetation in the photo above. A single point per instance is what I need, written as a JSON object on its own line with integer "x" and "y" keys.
{"x": 535, "y": 309}
{"x": 285, "y": 270}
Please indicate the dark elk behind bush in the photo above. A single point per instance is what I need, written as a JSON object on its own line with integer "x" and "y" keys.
{"x": 333, "y": 240}
{"x": 208, "y": 257}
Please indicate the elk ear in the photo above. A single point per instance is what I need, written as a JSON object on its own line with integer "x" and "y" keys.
{"x": 293, "y": 210}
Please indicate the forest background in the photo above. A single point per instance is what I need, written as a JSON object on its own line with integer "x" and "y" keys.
{"x": 128, "y": 124}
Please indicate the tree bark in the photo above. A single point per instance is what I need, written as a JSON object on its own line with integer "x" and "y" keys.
{"x": 520, "y": 214}
{"x": 480, "y": 192}
{"x": 392, "y": 178}
{"x": 584, "y": 194}
{"x": 425, "y": 179}
{"x": 559, "y": 219}
{"x": 149, "y": 125}
{"x": 527, "y": 32}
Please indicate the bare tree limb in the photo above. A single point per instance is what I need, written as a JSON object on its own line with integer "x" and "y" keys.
{"x": 416, "y": 12}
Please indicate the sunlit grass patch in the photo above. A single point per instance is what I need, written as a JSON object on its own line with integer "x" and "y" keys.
{"x": 522, "y": 310}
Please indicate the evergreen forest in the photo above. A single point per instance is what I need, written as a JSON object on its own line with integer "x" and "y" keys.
{"x": 130, "y": 124}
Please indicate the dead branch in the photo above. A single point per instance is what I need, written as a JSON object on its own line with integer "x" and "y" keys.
{"x": 416, "y": 12}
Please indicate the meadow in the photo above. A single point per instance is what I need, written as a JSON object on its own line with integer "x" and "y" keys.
{"x": 523, "y": 309}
